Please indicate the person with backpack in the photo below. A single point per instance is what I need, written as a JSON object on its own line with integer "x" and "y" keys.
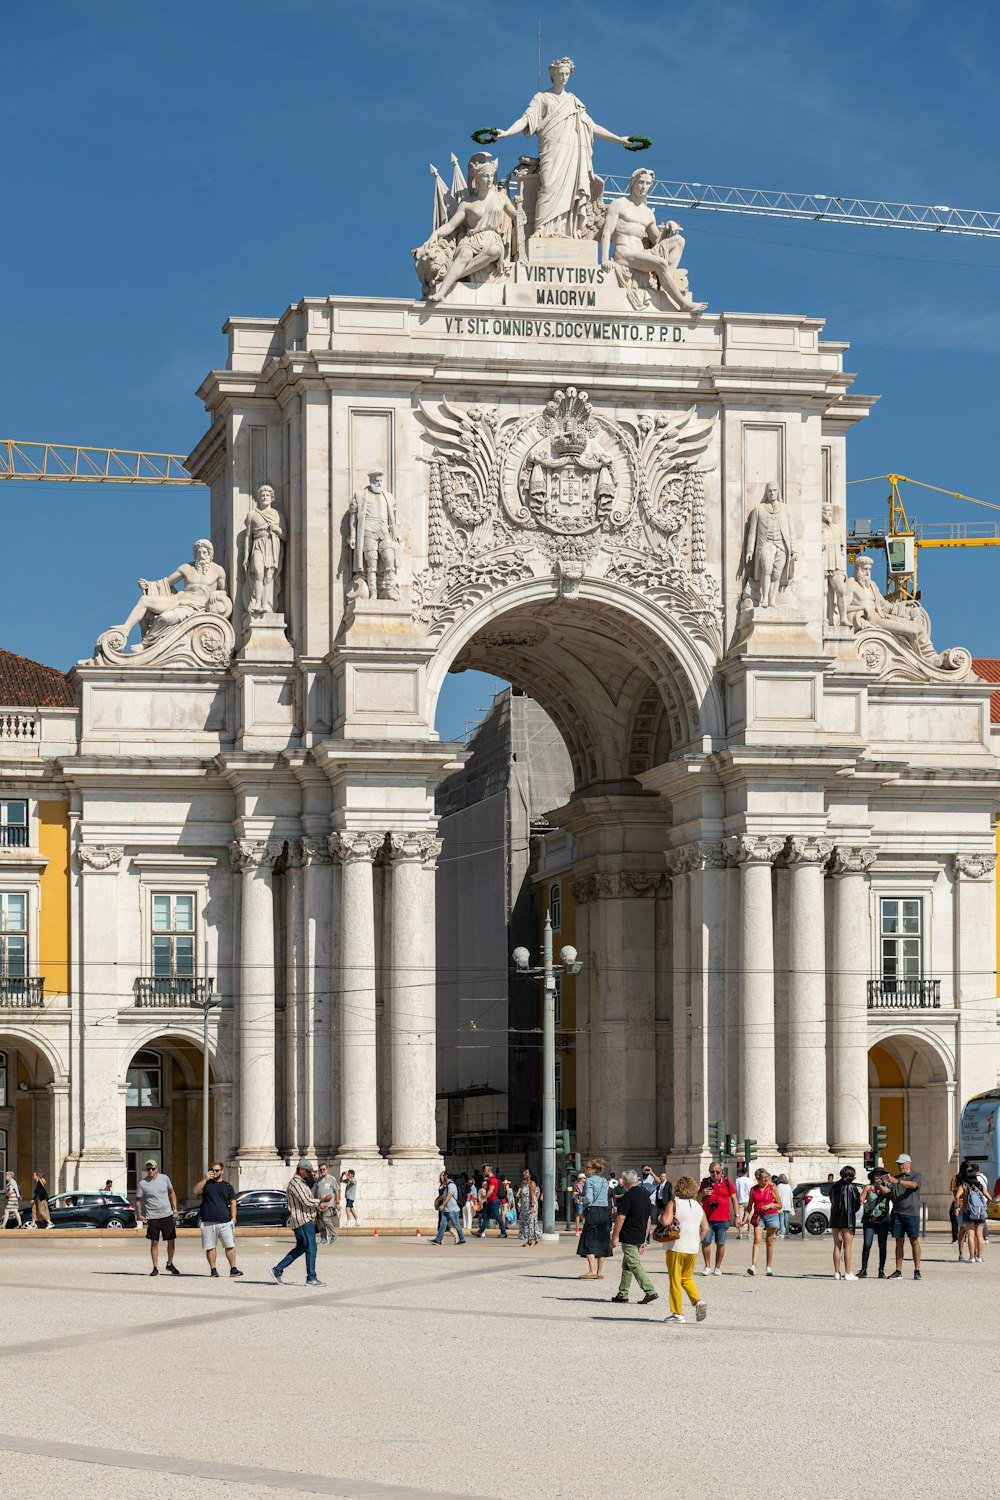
{"x": 972, "y": 1204}
{"x": 876, "y": 1213}
{"x": 845, "y": 1200}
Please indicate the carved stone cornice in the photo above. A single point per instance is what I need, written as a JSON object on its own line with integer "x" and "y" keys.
{"x": 255, "y": 854}
{"x": 415, "y": 848}
{"x": 853, "y": 859}
{"x": 99, "y": 857}
{"x": 614, "y": 885}
{"x": 808, "y": 851}
{"x": 700, "y": 854}
{"x": 353, "y": 845}
{"x": 753, "y": 848}
{"x": 973, "y": 866}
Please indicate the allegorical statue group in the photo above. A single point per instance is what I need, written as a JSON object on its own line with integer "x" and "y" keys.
{"x": 480, "y": 230}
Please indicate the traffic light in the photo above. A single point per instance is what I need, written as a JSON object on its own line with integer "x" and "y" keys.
{"x": 741, "y": 1167}
{"x": 577, "y": 1161}
{"x": 716, "y": 1133}
{"x": 562, "y": 1141}
{"x": 870, "y": 1160}
{"x": 880, "y": 1139}
{"x": 750, "y": 1150}
{"x": 729, "y": 1149}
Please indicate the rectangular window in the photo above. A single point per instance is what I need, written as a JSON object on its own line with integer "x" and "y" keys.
{"x": 13, "y": 934}
{"x": 555, "y": 906}
{"x": 13, "y": 825}
{"x": 173, "y": 936}
{"x": 902, "y": 940}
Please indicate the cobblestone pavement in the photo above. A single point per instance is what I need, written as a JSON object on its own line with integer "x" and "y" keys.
{"x": 415, "y": 1358}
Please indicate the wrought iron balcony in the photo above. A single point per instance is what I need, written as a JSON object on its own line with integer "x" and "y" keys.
{"x": 13, "y": 836}
{"x": 20, "y": 992}
{"x": 904, "y": 994}
{"x": 176, "y": 990}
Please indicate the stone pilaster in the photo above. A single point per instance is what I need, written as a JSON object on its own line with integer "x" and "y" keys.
{"x": 755, "y": 854}
{"x": 849, "y": 1018}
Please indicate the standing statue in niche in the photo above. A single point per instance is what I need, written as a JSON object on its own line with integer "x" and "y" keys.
{"x": 375, "y": 543}
{"x": 645, "y": 246}
{"x": 482, "y": 227}
{"x": 569, "y": 194}
{"x": 834, "y": 569}
{"x": 769, "y": 559}
{"x": 265, "y": 532}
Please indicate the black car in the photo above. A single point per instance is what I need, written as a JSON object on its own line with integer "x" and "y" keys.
{"x": 91, "y": 1211}
{"x": 264, "y": 1206}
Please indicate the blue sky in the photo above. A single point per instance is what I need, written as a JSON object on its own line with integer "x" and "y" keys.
{"x": 168, "y": 166}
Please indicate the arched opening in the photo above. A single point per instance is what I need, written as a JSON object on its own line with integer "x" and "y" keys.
{"x": 549, "y": 803}
{"x": 163, "y": 1086}
{"x": 27, "y": 1111}
{"x": 912, "y": 1093}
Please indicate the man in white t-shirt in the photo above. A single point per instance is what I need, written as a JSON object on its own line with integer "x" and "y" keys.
{"x": 743, "y": 1186}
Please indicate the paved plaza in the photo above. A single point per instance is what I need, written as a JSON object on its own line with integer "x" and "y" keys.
{"x": 477, "y": 1371}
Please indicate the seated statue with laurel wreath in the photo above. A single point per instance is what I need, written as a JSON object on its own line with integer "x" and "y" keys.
{"x": 475, "y": 239}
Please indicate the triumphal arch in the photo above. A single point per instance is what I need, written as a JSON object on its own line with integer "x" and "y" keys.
{"x": 555, "y": 465}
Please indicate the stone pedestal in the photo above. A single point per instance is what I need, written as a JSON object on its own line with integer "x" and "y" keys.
{"x": 265, "y": 640}
{"x": 561, "y": 252}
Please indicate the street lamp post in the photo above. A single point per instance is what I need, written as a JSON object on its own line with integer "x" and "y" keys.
{"x": 546, "y": 972}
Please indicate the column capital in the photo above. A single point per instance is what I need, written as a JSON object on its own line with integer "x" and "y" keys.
{"x": 801, "y": 850}
{"x": 100, "y": 857}
{"x": 414, "y": 848}
{"x": 853, "y": 859}
{"x": 316, "y": 851}
{"x": 353, "y": 846}
{"x": 255, "y": 854}
{"x": 973, "y": 866}
{"x": 700, "y": 854}
{"x": 753, "y": 848}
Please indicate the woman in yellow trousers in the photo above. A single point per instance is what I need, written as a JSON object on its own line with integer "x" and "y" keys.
{"x": 686, "y": 1212}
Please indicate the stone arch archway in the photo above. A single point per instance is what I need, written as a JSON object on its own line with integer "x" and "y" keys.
{"x": 34, "y": 1086}
{"x": 623, "y": 679}
{"x": 162, "y": 1080}
{"x": 913, "y": 1094}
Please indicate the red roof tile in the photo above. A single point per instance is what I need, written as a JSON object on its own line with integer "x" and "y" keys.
{"x": 988, "y": 668}
{"x": 28, "y": 684}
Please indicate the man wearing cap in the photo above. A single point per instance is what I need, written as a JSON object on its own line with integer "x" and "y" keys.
{"x": 302, "y": 1211}
{"x": 156, "y": 1205}
{"x": 905, "y": 1224}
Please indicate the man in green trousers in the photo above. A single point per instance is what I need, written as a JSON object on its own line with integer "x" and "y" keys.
{"x": 631, "y": 1227}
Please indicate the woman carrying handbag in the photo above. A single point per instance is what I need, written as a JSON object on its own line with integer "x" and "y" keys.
{"x": 683, "y": 1227}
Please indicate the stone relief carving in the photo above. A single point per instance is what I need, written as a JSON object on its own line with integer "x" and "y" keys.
{"x": 646, "y": 254}
{"x": 569, "y": 195}
{"x": 254, "y": 854}
{"x": 614, "y": 885}
{"x": 834, "y": 568}
{"x": 473, "y": 241}
{"x": 188, "y": 627}
{"x": 99, "y": 857}
{"x": 973, "y": 866}
{"x": 376, "y": 547}
{"x": 853, "y": 859}
{"x": 565, "y": 484}
{"x": 316, "y": 851}
{"x": 768, "y": 553}
{"x": 700, "y": 855}
{"x": 894, "y": 639}
{"x": 262, "y": 554}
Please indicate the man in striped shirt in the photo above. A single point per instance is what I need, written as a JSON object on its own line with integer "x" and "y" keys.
{"x": 302, "y": 1211}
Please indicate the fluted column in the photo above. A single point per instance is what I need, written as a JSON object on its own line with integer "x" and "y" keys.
{"x": 412, "y": 1020}
{"x": 754, "y": 854}
{"x": 254, "y": 859}
{"x": 807, "y": 1128}
{"x": 358, "y": 1092}
{"x": 849, "y": 1028}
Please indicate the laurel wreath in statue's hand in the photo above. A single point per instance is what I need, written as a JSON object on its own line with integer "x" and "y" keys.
{"x": 638, "y": 143}
{"x": 486, "y": 136}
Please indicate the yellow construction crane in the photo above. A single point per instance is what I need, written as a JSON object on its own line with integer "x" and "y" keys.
{"x": 904, "y": 535}
{"x": 67, "y": 461}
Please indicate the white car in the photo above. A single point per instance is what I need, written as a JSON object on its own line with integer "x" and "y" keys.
{"x": 811, "y": 1209}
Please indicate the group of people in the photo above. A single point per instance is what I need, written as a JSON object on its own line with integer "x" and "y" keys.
{"x": 494, "y": 1200}
{"x": 40, "y": 1216}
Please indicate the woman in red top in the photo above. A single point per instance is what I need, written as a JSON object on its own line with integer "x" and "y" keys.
{"x": 765, "y": 1210}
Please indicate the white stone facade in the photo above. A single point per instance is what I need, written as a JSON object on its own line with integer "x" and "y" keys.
{"x": 572, "y": 493}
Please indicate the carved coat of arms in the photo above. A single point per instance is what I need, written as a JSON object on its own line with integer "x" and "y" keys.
{"x": 570, "y": 478}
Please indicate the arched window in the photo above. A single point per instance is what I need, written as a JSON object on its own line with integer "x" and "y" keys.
{"x": 3, "y": 1082}
{"x": 143, "y": 1081}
